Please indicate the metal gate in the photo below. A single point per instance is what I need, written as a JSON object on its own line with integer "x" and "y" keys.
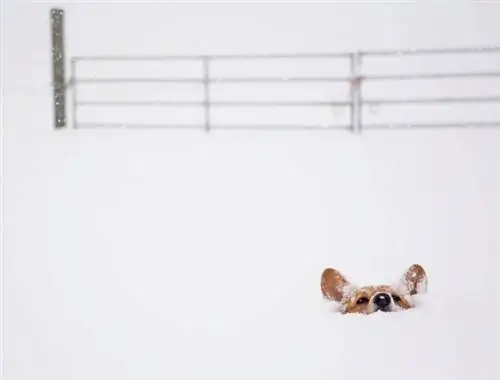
{"x": 326, "y": 91}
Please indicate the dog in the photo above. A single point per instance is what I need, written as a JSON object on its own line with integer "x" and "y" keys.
{"x": 371, "y": 299}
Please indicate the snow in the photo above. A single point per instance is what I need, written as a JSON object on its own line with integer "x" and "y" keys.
{"x": 158, "y": 254}
{"x": 348, "y": 291}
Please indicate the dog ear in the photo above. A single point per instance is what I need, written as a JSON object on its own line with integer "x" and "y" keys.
{"x": 334, "y": 286}
{"x": 415, "y": 279}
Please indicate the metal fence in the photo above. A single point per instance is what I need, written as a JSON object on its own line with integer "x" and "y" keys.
{"x": 206, "y": 79}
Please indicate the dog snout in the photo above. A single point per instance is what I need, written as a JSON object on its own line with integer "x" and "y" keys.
{"x": 382, "y": 301}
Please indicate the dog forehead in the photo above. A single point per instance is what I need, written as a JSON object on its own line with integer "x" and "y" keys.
{"x": 372, "y": 289}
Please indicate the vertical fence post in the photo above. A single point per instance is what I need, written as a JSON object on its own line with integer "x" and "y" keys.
{"x": 58, "y": 79}
{"x": 206, "y": 85}
{"x": 356, "y": 80}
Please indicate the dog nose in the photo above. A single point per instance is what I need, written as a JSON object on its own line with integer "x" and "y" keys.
{"x": 382, "y": 300}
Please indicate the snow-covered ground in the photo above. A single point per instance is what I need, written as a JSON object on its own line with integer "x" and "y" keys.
{"x": 178, "y": 254}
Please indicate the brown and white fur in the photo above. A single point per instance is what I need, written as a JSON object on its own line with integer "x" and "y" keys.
{"x": 369, "y": 299}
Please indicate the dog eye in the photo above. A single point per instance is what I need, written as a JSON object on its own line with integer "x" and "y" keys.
{"x": 362, "y": 300}
{"x": 396, "y": 298}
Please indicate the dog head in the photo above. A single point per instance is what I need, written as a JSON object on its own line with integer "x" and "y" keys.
{"x": 369, "y": 299}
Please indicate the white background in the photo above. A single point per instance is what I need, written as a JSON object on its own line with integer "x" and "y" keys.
{"x": 177, "y": 254}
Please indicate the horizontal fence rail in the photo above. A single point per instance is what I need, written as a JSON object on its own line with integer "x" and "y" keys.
{"x": 211, "y": 80}
{"x": 356, "y": 108}
{"x": 389, "y": 52}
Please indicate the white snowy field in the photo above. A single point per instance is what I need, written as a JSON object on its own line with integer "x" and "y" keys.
{"x": 154, "y": 254}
